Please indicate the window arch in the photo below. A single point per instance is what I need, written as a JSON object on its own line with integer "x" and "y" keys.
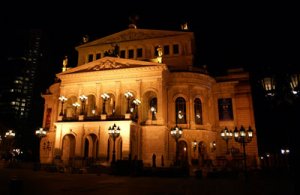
{"x": 198, "y": 111}
{"x": 180, "y": 110}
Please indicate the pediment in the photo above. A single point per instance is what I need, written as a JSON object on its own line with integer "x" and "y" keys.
{"x": 133, "y": 34}
{"x": 109, "y": 63}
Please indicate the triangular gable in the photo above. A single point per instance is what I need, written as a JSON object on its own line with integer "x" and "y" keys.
{"x": 108, "y": 63}
{"x": 133, "y": 34}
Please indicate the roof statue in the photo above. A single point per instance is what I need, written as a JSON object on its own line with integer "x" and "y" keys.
{"x": 184, "y": 26}
{"x": 133, "y": 20}
{"x": 85, "y": 38}
{"x": 159, "y": 53}
{"x": 65, "y": 63}
{"x": 113, "y": 52}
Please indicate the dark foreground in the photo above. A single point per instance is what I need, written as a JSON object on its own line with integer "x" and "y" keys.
{"x": 27, "y": 181}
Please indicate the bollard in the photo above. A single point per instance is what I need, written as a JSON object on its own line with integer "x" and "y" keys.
{"x": 15, "y": 186}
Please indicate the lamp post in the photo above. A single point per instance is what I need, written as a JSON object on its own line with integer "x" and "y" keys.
{"x": 40, "y": 133}
{"x": 83, "y": 99}
{"x": 282, "y": 91}
{"x": 226, "y": 135}
{"x": 105, "y": 97}
{"x": 114, "y": 133}
{"x": 194, "y": 145}
{"x": 176, "y": 133}
{"x": 285, "y": 152}
{"x": 76, "y": 105}
{"x": 242, "y": 136}
{"x": 213, "y": 146}
{"x": 62, "y": 99}
{"x": 128, "y": 96}
{"x": 283, "y": 85}
{"x": 136, "y": 102}
{"x": 10, "y": 135}
{"x": 153, "y": 111}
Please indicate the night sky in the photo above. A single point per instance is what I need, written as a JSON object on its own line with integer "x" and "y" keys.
{"x": 251, "y": 35}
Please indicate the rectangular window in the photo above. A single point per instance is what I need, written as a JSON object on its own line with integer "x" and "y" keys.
{"x": 139, "y": 52}
{"x": 90, "y": 58}
{"x": 166, "y": 50}
{"x": 225, "y": 109}
{"x": 98, "y": 56}
{"x": 122, "y": 54}
{"x": 175, "y": 49}
{"x": 130, "y": 53}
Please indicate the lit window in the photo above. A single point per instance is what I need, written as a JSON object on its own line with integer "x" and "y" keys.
{"x": 180, "y": 110}
{"x": 198, "y": 111}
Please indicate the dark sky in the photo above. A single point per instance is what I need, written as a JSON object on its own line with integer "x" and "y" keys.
{"x": 229, "y": 34}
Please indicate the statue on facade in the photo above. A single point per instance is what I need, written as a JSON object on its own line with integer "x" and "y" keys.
{"x": 65, "y": 63}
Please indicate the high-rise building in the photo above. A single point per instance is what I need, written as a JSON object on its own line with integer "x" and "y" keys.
{"x": 19, "y": 92}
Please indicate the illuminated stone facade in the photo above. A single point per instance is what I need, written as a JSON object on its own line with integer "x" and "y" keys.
{"x": 78, "y": 136}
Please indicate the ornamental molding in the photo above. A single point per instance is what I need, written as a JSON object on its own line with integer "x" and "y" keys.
{"x": 108, "y": 64}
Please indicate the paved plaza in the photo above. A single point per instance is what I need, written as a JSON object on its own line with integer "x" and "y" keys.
{"x": 27, "y": 181}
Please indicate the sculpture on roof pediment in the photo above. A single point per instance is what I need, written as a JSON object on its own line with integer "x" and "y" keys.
{"x": 108, "y": 64}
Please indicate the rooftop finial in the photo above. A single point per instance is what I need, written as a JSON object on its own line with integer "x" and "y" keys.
{"x": 133, "y": 20}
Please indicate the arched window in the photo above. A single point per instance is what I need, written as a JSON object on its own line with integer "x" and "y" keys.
{"x": 180, "y": 111}
{"x": 198, "y": 111}
{"x": 153, "y": 107}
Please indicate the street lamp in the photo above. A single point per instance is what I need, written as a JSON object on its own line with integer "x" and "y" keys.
{"x": 285, "y": 152}
{"x": 282, "y": 86}
{"x": 105, "y": 97}
{"x": 76, "y": 105}
{"x": 114, "y": 133}
{"x": 213, "y": 146}
{"x": 83, "y": 99}
{"x": 242, "y": 136}
{"x": 176, "y": 133}
{"x": 136, "y": 102}
{"x": 40, "y": 133}
{"x": 153, "y": 110}
{"x": 194, "y": 145}
{"x": 128, "y": 96}
{"x": 282, "y": 91}
{"x": 62, "y": 99}
{"x": 226, "y": 135}
{"x": 10, "y": 135}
